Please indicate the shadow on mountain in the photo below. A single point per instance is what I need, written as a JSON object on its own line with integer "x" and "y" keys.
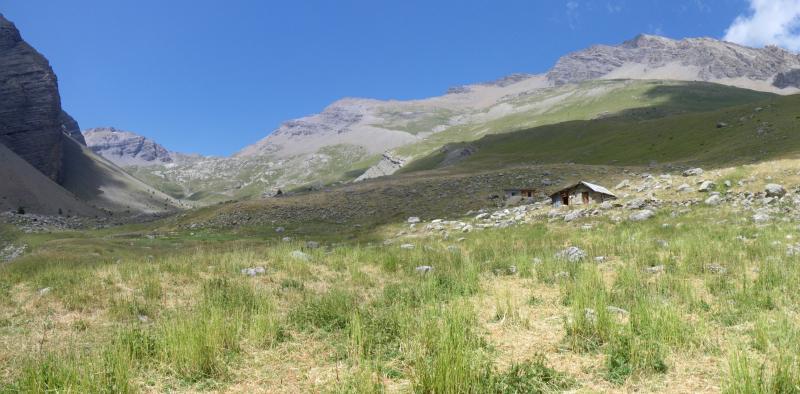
{"x": 84, "y": 176}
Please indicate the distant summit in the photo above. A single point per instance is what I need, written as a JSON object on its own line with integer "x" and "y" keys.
{"x": 691, "y": 59}
{"x": 126, "y": 148}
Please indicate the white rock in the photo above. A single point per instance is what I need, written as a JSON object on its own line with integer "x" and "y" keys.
{"x": 423, "y": 269}
{"x": 713, "y": 200}
{"x": 774, "y": 190}
{"x": 641, "y": 215}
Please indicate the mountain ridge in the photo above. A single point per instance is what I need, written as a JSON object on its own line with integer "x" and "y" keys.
{"x": 360, "y": 138}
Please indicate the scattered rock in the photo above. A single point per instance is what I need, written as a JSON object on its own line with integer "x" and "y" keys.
{"x": 423, "y": 269}
{"x": 407, "y": 246}
{"x": 657, "y": 269}
{"x": 573, "y": 254}
{"x": 12, "y": 252}
{"x": 44, "y": 291}
{"x": 254, "y": 271}
{"x": 572, "y": 216}
{"x": 413, "y": 219}
{"x": 482, "y": 216}
{"x": 693, "y": 172}
{"x": 279, "y": 229}
{"x": 716, "y": 269}
{"x": 713, "y": 200}
{"x": 685, "y": 188}
{"x": 312, "y": 244}
{"x": 761, "y": 218}
{"x": 707, "y": 186}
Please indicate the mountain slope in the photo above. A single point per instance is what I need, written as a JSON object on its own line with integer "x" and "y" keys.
{"x": 742, "y": 134}
{"x": 102, "y": 184}
{"x": 26, "y": 187}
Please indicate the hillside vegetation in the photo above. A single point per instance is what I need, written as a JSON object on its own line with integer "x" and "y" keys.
{"x": 740, "y": 134}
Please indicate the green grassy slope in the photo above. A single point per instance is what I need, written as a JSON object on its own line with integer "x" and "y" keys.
{"x": 593, "y": 100}
{"x": 763, "y": 130}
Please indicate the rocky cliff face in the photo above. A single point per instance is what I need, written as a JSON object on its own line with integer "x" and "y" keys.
{"x": 656, "y": 57}
{"x": 32, "y": 123}
{"x": 126, "y": 148}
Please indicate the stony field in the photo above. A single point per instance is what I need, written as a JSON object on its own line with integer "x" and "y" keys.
{"x": 684, "y": 284}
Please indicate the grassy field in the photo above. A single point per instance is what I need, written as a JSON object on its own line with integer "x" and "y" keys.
{"x": 152, "y": 308}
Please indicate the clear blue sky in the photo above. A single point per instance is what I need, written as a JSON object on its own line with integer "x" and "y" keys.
{"x": 214, "y": 76}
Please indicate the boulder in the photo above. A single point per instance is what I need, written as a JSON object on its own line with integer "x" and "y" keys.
{"x": 573, "y": 216}
{"x": 693, "y": 172}
{"x": 573, "y": 254}
{"x": 775, "y": 190}
{"x": 707, "y": 186}
{"x": 761, "y": 218}
{"x": 713, "y": 200}
{"x": 641, "y": 215}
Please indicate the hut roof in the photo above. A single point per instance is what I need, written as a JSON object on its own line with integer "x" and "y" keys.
{"x": 591, "y": 186}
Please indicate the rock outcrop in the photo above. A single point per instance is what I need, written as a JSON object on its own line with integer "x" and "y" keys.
{"x": 32, "y": 123}
{"x": 388, "y": 165}
{"x": 125, "y": 148}
{"x": 657, "y": 57}
{"x": 788, "y": 79}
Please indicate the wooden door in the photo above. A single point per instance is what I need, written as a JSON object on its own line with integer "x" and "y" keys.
{"x": 585, "y": 198}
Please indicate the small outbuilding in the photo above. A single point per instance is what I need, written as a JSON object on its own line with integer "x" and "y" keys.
{"x": 522, "y": 193}
{"x": 582, "y": 193}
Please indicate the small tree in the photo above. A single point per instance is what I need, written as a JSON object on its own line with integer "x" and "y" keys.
{"x": 20, "y": 210}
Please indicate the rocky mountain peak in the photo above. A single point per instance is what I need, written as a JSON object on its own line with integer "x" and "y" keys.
{"x": 126, "y": 148}
{"x": 655, "y": 57}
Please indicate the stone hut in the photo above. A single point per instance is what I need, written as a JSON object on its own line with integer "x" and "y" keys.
{"x": 582, "y": 193}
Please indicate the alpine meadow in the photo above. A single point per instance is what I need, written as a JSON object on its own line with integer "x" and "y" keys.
{"x": 626, "y": 221}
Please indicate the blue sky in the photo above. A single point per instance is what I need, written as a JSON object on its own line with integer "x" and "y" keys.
{"x": 213, "y": 76}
